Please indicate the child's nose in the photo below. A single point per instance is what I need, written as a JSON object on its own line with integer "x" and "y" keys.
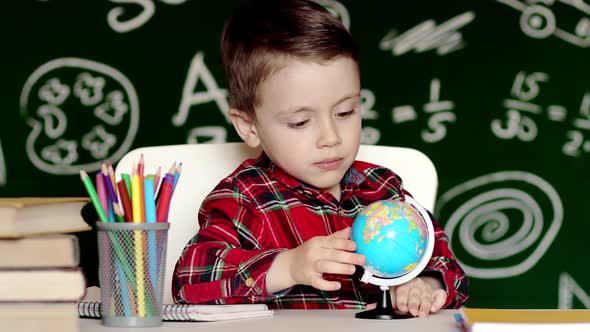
{"x": 329, "y": 135}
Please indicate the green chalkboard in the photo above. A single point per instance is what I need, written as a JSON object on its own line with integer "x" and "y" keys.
{"x": 495, "y": 92}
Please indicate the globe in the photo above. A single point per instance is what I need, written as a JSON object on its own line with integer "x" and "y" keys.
{"x": 397, "y": 238}
{"x": 392, "y": 235}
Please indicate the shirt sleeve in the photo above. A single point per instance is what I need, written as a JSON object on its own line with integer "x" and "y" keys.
{"x": 224, "y": 263}
{"x": 444, "y": 265}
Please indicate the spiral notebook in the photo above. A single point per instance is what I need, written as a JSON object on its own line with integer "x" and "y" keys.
{"x": 192, "y": 312}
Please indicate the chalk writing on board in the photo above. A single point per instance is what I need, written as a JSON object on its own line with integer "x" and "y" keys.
{"x": 426, "y": 36}
{"x": 114, "y": 16}
{"x": 526, "y": 87}
{"x": 522, "y": 110}
{"x": 576, "y": 142}
{"x": 98, "y": 98}
{"x": 198, "y": 71}
{"x": 539, "y": 19}
{"x": 338, "y": 9}
{"x": 502, "y": 222}
{"x": 567, "y": 289}
{"x": 369, "y": 135}
{"x": 2, "y": 167}
{"x": 440, "y": 113}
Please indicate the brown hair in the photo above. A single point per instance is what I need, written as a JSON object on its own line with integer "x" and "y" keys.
{"x": 259, "y": 37}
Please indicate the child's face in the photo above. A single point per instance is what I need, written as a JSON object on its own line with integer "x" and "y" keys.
{"x": 309, "y": 120}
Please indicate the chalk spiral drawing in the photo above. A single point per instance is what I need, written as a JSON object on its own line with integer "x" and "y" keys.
{"x": 426, "y": 36}
{"x": 567, "y": 289}
{"x": 538, "y": 19}
{"x": 500, "y": 221}
{"x": 100, "y": 99}
{"x": 147, "y": 11}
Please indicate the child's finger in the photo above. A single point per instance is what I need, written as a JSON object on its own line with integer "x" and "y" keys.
{"x": 401, "y": 298}
{"x": 439, "y": 297}
{"x": 325, "y": 285}
{"x": 341, "y": 234}
{"x": 328, "y": 266}
{"x": 425, "y": 305}
{"x": 414, "y": 297}
{"x": 337, "y": 243}
{"x": 346, "y": 257}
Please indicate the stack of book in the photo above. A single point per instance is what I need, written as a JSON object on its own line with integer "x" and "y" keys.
{"x": 40, "y": 277}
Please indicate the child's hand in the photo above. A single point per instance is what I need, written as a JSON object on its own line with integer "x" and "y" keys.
{"x": 324, "y": 254}
{"x": 419, "y": 296}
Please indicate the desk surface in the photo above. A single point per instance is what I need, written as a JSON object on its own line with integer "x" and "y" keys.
{"x": 299, "y": 321}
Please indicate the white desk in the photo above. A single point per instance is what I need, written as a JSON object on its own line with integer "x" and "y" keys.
{"x": 299, "y": 321}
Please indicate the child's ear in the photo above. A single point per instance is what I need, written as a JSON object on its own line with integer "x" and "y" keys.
{"x": 245, "y": 127}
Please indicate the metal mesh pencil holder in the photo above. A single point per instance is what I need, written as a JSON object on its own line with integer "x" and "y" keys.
{"x": 131, "y": 272}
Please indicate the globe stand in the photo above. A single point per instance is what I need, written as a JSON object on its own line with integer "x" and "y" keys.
{"x": 384, "y": 309}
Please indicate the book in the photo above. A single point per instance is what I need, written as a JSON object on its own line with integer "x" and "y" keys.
{"x": 42, "y": 285}
{"x": 90, "y": 307}
{"x": 57, "y": 250}
{"x": 193, "y": 312}
{"x": 524, "y": 320}
{"x": 25, "y": 216}
{"x": 35, "y": 317}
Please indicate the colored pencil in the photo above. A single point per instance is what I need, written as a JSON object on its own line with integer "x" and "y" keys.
{"x": 135, "y": 197}
{"x": 108, "y": 184}
{"x": 111, "y": 173}
{"x": 170, "y": 173}
{"x": 164, "y": 202}
{"x": 150, "y": 215}
{"x": 118, "y": 213}
{"x": 127, "y": 178}
{"x": 157, "y": 179}
{"x": 93, "y": 196}
{"x": 141, "y": 198}
{"x": 150, "y": 205}
{"x": 123, "y": 285}
{"x": 140, "y": 165}
{"x": 102, "y": 194}
{"x": 177, "y": 175}
{"x": 125, "y": 201}
{"x": 112, "y": 217}
{"x": 138, "y": 246}
{"x": 138, "y": 242}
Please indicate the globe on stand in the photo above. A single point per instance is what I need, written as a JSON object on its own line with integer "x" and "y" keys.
{"x": 397, "y": 239}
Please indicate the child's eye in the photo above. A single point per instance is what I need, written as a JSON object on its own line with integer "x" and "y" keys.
{"x": 345, "y": 114}
{"x": 298, "y": 125}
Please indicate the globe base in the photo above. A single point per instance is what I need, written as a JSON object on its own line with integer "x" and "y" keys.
{"x": 384, "y": 310}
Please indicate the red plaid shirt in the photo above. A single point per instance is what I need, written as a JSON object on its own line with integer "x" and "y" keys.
{"x": 259, "y": 211}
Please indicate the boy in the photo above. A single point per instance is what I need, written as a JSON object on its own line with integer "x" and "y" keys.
{"x": 277, "y": 230}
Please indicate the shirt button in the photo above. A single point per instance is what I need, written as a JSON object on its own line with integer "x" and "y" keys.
{"x": 249, "y": 282}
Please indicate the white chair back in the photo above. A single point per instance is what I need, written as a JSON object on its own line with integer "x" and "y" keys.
{"x": 204, "y": 165}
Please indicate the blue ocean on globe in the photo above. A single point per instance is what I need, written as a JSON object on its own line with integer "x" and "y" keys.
{"x": 392, "y": 235}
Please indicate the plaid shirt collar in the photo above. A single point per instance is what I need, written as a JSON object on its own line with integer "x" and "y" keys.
{"x": 352, "y": 178}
